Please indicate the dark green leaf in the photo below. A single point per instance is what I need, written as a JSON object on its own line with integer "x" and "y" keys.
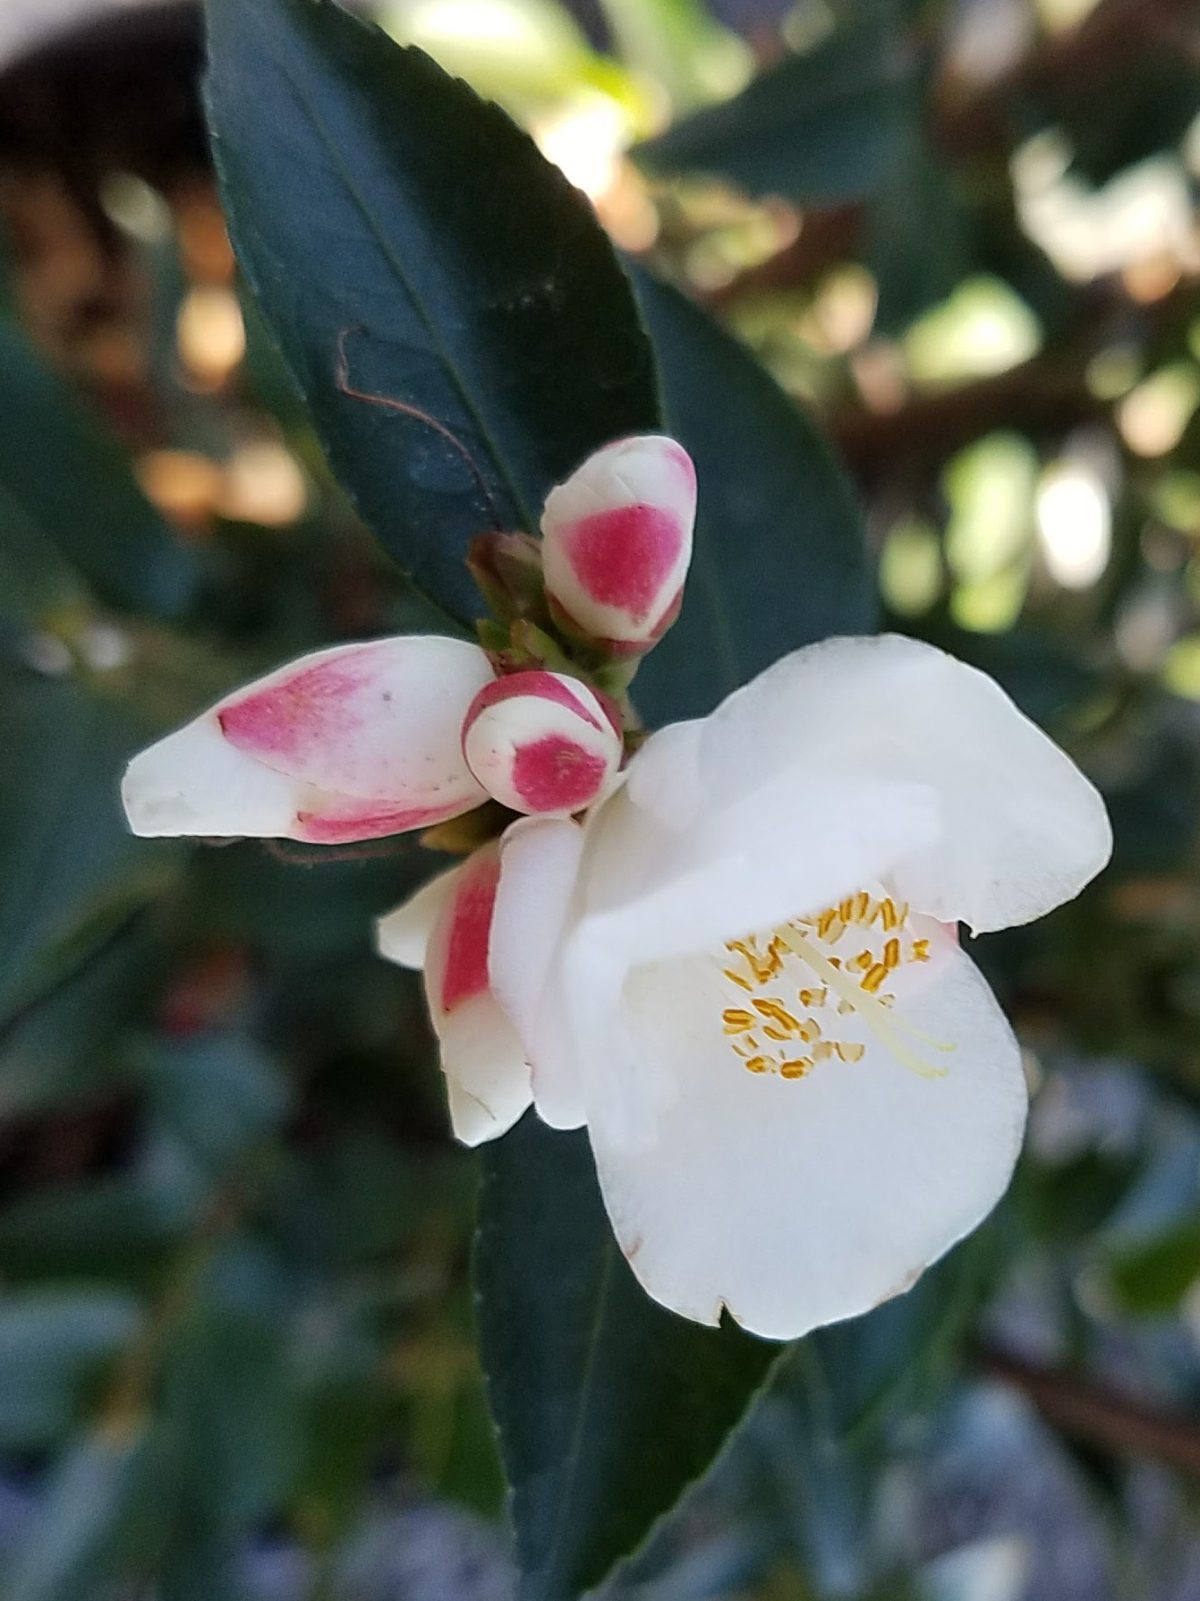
{"x": 918, "y": 237}
{"x": 781, "y": 555}
{"x": 819, "y": 128}
{"x": 65, "y": 482}
{"x": 57, "y": 1051}
{"x": 378, "y": 203}
{"x": 51, "y": 1341}
{"x": 607, "y": 1405}
{"x": 64, "y": 751}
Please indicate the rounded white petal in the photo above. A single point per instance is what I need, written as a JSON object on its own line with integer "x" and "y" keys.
{"x": 195, "y": 782}
{"x": 538, "y": 875}
{"x": 482, "y": 1057}
{"x": 1022, "y": 829}
{"x": 799, "y": 1202}
{"x": 653, "y": 889}
{"x": 487, "y": 1079}
{"x": 345, "y": 744}
{"x": 617, "y": 538}
{"x": 403, "y": 935}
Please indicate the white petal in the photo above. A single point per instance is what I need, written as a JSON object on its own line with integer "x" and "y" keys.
{"x": 1023, "y": 829}
{"x": 653, "y": 890}
{"x": 482, "y": 1057}
{"x": 403, "y": 935}
{"x": 196, "y": 782}
{"x": 539, "y": 865}
{"x": 487, "y": 1079}
{"x": 539, "y": 860}
{"x": 798, "y": 1203}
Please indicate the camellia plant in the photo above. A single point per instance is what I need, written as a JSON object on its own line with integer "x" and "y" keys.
{"x": 699, "y": 991}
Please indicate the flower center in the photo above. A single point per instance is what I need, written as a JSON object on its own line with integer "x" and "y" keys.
{"x": 806, "y": 985}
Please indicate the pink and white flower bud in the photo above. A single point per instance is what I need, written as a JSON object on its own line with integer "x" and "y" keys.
{"x": 617, "y": 541}
{"x": 347, "y": 744}
{"x": 542, "y": 743}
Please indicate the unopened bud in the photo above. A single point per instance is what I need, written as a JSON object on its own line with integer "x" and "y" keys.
{"x": 617, "y": 540}
{"x": 542, "y": 743}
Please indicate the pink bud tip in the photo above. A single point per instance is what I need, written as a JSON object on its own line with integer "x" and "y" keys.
{"x": 542, "y": 743}
{"x": 617, "y": 541}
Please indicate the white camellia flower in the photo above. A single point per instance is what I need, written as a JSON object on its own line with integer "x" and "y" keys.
{"x": 742, "y": 973}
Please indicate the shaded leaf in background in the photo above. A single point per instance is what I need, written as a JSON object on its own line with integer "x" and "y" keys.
{"x": 918, "y": 244}
{"x": 781, "y": 556}
{"x": 63, "y": 479}
{"x": 51, "y": 1342}
{"x": 1152, "y": 1278}
{"x": 70, "y": 1546}
{"x": 375, "y": 201}
{"x": 607, "y": 1405}
{"x": 64, "y": 751}
{"x": 819, "y": 128}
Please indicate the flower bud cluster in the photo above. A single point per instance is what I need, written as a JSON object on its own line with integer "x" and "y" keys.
{"x": 607, "y": 579}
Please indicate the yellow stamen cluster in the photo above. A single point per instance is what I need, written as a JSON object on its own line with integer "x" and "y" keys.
{"x": 781, "y": 1033}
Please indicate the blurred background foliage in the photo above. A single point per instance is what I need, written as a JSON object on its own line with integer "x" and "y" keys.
{"x": 236, "y": 1348}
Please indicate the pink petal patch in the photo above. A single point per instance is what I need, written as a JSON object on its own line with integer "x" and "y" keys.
{"x": 623, "y": 557}
{"x": 347, "y": 825}
{"x": 377, "y": 722}
{"x": 554, "y": 774}
{"x": 547, "y": 686}
{"x": 474, "y": 897}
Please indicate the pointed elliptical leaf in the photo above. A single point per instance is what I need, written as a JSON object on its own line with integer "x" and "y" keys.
{"x": 607, "y": 1405}
{"x": 820, "y": 128}
{"x": 406, "y": 240}
{"x": 780, "y": 556}
{"x": 382, "y": 211}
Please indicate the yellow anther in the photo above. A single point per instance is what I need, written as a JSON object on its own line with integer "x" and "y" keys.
{"x": 920, "y": 950}
{"x": 758, "y": 1064}
{"x": 890, "y": 916}
{"x": 813, "y": 997}
{"x": 736, "y": 1021}
{"x": 797, "y": 1068}
{"x": 846, "y": 909}
{"x": 862, "y": 963}
{"x": 778, "y": 1013}
{"x": 810, "y": 1030}
{"x": 875, "y": 978}
{"x": 736, "y": 978}
{"x": 891, "y": 954}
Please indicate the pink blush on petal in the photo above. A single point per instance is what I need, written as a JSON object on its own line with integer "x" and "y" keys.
{"x": 554, "y": 774}
{"x": 291, "y": 718}
{"x": 350, "y": 824}
{"x": 466, "y": 971}
{"x": 624, "y": 556}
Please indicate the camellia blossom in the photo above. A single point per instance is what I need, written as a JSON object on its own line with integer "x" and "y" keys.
{"x": 346, "y": 744}
{"x": 742, "y": 974}
{"x": 617, "y": 542}
{"x": 541, "y": 742}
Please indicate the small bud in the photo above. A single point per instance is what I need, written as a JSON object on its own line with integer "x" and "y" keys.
{"x": 617, "y": 540}
{"x": 541, "y": 742}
